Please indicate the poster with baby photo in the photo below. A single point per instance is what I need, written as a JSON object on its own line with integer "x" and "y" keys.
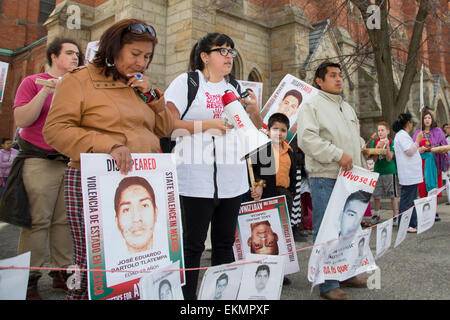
{"x": 264, "y": 228}
{"x": 287, "y": 98}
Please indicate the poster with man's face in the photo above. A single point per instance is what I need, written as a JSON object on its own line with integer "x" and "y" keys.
{"x": 287, "y": 99}
{"x": 264, "y": 228}
{"x": 221, "y": 282}
{"x": 163, "y": 284}
{"x": 132, "y": 222}
{"x": 384, "y": 237}
{"x": 403, "y": 226}
{"x": 426, "y": 212}
{"x": 340, "y": 232}
{"x": 262, "y": 278}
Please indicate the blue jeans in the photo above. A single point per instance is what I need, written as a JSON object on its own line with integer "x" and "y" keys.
{"x": 321, "y": 189}
{"x": 407, "y": 196}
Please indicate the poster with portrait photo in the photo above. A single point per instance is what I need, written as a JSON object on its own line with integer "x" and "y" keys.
{"x": 264, "y": 227}
{"x": 14, "y": 282}
{"x": 132, "y": 222}
{"x": 287, "y": 98}
{"x": 3, "y": 74}
{"x": 403, "y": 226}
{"x": 426, "y": 212}
{"x": 340, "y": 229}
{"x": 163, "y": 284}
{"x": 91, "y": 50}
{"x": 256, "y": 87}
{"x": 221, "y": 282}
{"x": 262, "y": 277}
{"x": 384, "y": 237}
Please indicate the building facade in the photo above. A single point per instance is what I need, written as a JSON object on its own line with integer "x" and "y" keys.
{"x": 273, "y": 38}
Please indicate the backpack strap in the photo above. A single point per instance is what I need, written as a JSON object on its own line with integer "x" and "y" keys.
{"x": 193, "y": 84}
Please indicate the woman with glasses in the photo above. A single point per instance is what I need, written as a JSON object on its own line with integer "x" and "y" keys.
{"x": 108, "y": 106}
{"x": 211, "y": 177}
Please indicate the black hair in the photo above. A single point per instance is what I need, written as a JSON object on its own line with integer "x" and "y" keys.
{"x": 6, "y": 139}
{"x": 322, "y": 70}
{"x": 204, "y": 45}
{"x": 55, "y": 48}
{"x": 401, "y": 122}
{"x": 263, "y": 267}
{"x": 296, "y": 94}
{"x": 130, "y": 181}
{"x": 359, "y": 195}
{"x": 223, "y": 276}
{"x": 278, "y": 117}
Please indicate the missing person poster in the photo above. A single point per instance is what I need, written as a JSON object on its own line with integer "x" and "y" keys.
{"x": 340, "y": 231}
{"x": 132, "y": 222}
{"x": 3, "y": 74}
{"x": 262, "y": 278}
{"x": 91, "y": 50}
{"x": 264, "y": 228}
{"x": 426, "y": 212}
{"x": 403, "y": 226}
{"x": 256, "y": 87}
{"x": 221, "y": 282}
{"x": 288, "y": 98}
{"x": 163, "y": 284}
{"x": 14, "y": 281}
{"x": 384, "y": 237}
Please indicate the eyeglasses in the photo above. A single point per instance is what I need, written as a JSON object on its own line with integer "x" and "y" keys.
{"x": 224, "y": 51}
{"x": 140, "y": 28}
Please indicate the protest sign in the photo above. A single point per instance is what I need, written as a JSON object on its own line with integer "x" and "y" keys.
{"x": 384, "y": 237}
{"x": 403, "y": 226}
{"x": 14, "y": 282}
{"x": 263, "y": 227}
{"x": 426, "y": 212}
{"x": 221, "y": 282}
{"x": 3, "y": 74}
{"x": 132, "y": 222}
{"x": 256, "y": 87}
{"x": 262, "y": 279}
{"x": 163, "y": 284}
{"x": 287, "y": 98}
{"x": 91, "y": 50}
{"x": 340, "y": 230}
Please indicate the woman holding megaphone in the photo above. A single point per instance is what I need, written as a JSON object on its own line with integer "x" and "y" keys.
{"x": 211, "y": 176}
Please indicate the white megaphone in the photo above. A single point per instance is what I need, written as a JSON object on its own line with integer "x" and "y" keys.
{"x": 252, "y": 140}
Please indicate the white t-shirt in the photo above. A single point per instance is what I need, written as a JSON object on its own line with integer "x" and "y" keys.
{"x": 409, "y": 169}
{"x": 195, "y": 153}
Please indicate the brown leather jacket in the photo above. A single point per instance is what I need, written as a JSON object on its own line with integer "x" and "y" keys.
{"x": 91, "y": 114}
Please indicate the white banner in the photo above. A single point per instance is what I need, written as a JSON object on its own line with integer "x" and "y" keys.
{"x": 340, "y": 232}
{"x": 14, "y": 282}
{"x": 426, "y": 212}
{"x": 403, "y": 226}
{"x": 221, "y": 282}
{"x": 384, "y": 237}
{"x": 132, "y": 222}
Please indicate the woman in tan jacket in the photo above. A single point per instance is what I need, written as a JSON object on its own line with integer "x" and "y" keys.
{"x": 107, "y": 107}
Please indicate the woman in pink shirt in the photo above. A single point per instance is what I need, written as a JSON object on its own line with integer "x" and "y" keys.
{"x": 7, "y": 155}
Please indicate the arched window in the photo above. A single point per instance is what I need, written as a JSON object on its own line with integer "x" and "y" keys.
{"x": 236, "y": 70}
{"x": 255, "y": 76}
{"x": 441, "y": 115}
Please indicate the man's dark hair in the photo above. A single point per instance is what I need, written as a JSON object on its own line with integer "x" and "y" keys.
{"x": 263, "y": 267}
{"x": 322, "y": 70}
{"x": 223, "y": 276}
{"x": 130, "y": 181}
{"x": 278, "y": 117}
{"x": 55, "y": 48}
{"x": 359, "y": 195}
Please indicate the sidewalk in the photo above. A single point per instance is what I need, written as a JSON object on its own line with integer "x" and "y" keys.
{"x": 417, "y": 269}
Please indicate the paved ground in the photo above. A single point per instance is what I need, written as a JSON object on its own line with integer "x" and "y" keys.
{"x": 417, "y": 269}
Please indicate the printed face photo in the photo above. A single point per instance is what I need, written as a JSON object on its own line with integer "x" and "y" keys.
{"x": 262, "y": 277}
{"x": 384, "y": 238}
{"x": 221, "y": 285}
{"x": 263, "y": 240}
{"x": 361, "y": 246}
{"x": 354, "y": 209}
{"x": 165, "y": 290}
{"x": 136, "y": 213}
